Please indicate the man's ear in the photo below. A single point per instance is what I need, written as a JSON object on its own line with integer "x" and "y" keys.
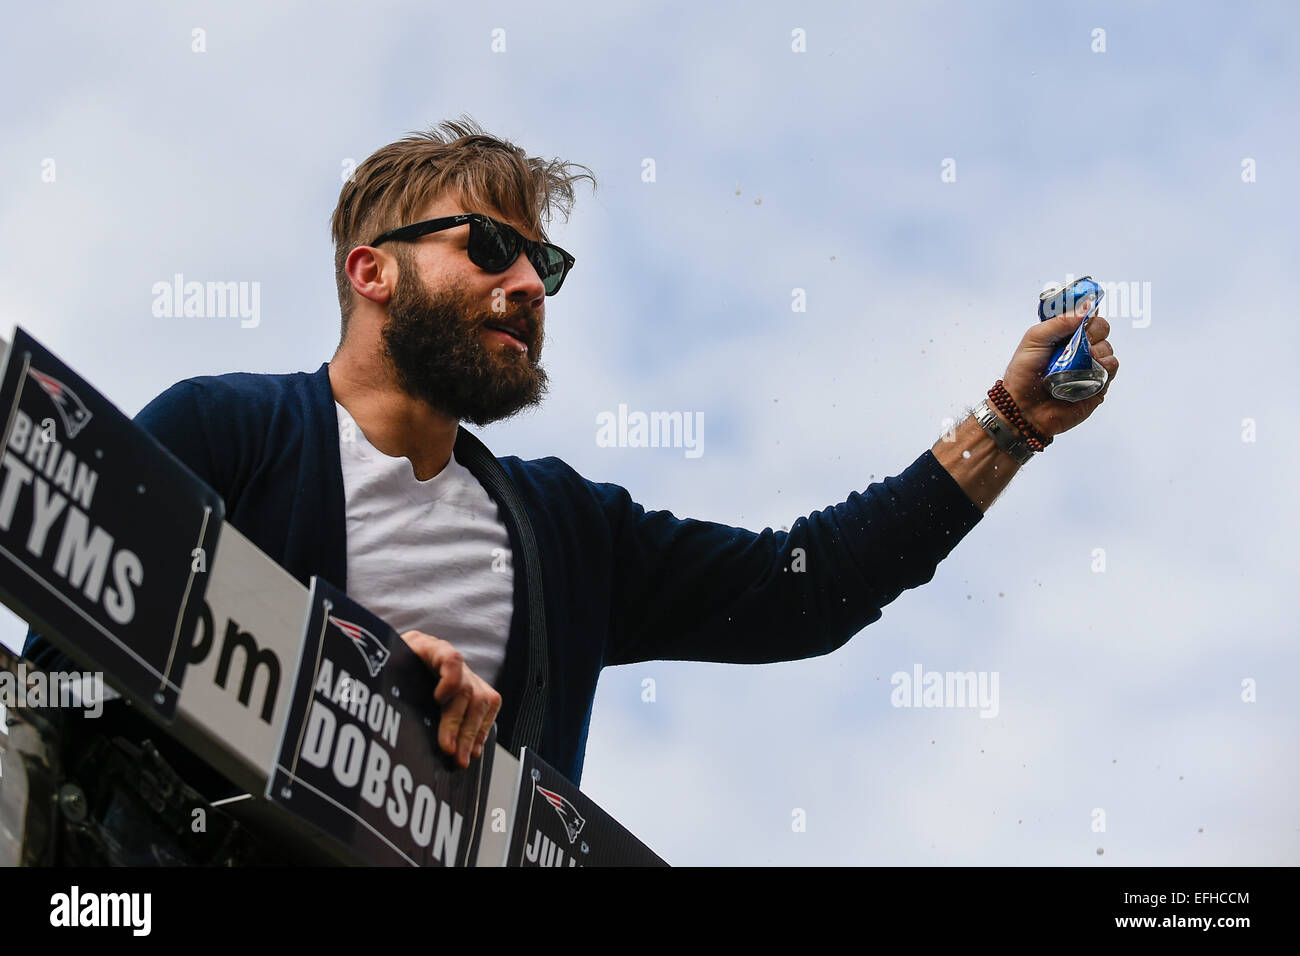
{"x": 372, "y": 272}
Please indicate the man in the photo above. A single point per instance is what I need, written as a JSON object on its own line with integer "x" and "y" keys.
{"x": 517, "y": 581}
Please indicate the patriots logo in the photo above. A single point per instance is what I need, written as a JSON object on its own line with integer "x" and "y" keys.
{"x": 370, "y": 647}
{"x": 572, "y": 820}
{"x": 71, "y": 409}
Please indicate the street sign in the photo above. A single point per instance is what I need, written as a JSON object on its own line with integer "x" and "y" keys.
{"x": 556, "y": 824}
{"x": 241, "y": 658}
{"x": 105, "y": 537}
{"x": 358, "y": 757}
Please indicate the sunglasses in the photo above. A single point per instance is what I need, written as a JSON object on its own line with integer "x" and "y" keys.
{"x": 494, "y": 246}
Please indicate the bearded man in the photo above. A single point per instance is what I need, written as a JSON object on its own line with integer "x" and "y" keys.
{"x": 517, "y": 581}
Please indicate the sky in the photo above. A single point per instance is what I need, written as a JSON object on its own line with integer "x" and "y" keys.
{"x": 920, "y": 171}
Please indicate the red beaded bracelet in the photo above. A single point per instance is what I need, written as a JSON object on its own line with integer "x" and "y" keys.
{"x": 1004, "y": 403}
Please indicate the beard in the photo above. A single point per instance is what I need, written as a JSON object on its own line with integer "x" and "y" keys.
{"x": 436, "y": 344}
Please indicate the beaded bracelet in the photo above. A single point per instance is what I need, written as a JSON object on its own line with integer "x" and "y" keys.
{"x": 1004, "y": 403}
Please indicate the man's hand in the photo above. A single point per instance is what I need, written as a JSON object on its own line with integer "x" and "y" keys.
{"x": 469, "y": 704}
{"x": 1024, "y": 376}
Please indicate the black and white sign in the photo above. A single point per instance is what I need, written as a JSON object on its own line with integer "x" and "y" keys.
{"x": 105, "y": 538}
{"x": 555, "y": 824}
{"x": 239, "y": 678}
{"x": 359, "y": 758}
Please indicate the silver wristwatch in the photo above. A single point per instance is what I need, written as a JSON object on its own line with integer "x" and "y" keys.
{"x": 1006, "y": 437}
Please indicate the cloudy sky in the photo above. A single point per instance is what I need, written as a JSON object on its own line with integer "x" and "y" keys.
{"x": 920, "y": 170}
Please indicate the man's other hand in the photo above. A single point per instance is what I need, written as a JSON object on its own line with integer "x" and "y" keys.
{"x": 469, "y": 703}
{"x": 1024, "y": 376}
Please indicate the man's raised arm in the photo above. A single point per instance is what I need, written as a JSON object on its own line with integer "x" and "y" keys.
{"x": 697, "y": 590}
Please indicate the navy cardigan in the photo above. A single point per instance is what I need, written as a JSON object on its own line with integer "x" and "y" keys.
{"x": 598, "y": 579}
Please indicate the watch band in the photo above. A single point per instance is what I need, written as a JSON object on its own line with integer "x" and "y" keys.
{"x": 1000, "y": 432}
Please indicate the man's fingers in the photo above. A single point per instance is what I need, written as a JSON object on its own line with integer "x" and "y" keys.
{"x": 454, "y": 676}
{"x": 469, "y": 705}
{"x": 430, "y": 649}
{"x": 1051, "y": 331}
{"x": 469, "y": 730}
{"x": 453, "y": 717}
{"x": 420, "y": 643}
{"x": 1102, "y": 350}
{"x": 494, "y": 708}
{"x": 1056, "y": 331}
{"x": 1098, "y": 329}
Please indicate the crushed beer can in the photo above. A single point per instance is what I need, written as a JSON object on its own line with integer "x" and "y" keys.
{"x": 1074, "y": 374}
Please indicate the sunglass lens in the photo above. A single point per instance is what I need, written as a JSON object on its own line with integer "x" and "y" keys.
{"x": 550, "y": 265}
{"x": 491, "y": 248}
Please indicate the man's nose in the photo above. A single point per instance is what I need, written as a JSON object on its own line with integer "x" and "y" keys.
{"x": 522, "y": 283}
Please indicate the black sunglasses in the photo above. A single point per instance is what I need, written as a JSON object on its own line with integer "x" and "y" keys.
{"x": 494, "y": 246}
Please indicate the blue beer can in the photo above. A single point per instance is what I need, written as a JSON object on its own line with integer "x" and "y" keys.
{"x": 1073, "y": 374}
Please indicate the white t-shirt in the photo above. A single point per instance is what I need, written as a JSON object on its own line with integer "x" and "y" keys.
{"x": 431, "y": 556}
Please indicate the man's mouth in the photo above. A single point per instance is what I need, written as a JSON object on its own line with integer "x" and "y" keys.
{"x": 512, "y": 332}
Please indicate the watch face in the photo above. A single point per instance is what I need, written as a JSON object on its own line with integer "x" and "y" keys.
{"x": 1006, "y": 439}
